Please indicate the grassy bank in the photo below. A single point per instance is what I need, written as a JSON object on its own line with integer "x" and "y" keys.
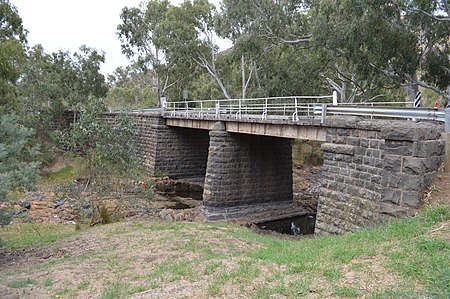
{"x": 408, "y": 259}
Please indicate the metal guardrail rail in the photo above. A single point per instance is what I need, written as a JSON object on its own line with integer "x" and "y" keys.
{"x": 296, "y": 108}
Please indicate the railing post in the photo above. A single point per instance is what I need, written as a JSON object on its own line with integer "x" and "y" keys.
{"x": 238, "y": 113}
{"x": 296, "y": 109}
{"x": 217, "y": 109}
{"x": 335, "y": 101}
{"x": 264, "y": 115}
{"x": 324, "y": 113}
{"x": 447, "y": 139}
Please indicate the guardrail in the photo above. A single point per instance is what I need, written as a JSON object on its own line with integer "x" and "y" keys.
{"x": 297, "y": 108}
{"x": 251, "y": 108}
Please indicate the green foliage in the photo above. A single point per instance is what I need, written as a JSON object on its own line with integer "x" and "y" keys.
{"x": 346, "y": 292}
{"x": 144, "y": 187}
{"x": 116, "y": 290}
{"x": 105, "y": 216}
{"x": 105, "y": 146}
{"x": 407, "y": 42}
{"x": 12, "y": 44}
{"x": 18, "y": 170}
{"x": 6, "y": 216}
{"x": 52, "y": 83}
{"x": 22, "y": 283}
{"x": 131, "y": 88}
{"x": 69, "y": 189}
{"x": 307, "y": 153}
{"x": 24, "y": 234}
{"x": 48, "y": 282}
{"x": 62, "y": 174}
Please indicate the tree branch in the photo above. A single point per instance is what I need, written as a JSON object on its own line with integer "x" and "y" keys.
{"x": 437, "y": 18}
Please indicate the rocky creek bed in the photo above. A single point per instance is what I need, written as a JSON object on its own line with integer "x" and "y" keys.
{"x": 171, "y": 200}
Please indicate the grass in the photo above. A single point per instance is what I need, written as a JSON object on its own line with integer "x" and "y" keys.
{"x": 21, "y": 283}
{"x": 64, "y": 173}
{"x": 33, "y": 234}
{"x": 399, "y": 260}
{"x": 48, "y": 282}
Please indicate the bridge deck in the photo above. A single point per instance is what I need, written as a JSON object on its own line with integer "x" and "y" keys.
{"x": 277, "y": 126}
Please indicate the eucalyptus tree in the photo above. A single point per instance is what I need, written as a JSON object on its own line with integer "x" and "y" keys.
{"x": 51, "y": 83}
{"x": 406, "y": 41}
{"x": 18, "y": 169}
{"x": 190, "y": 38}
{"x": 12, "y": 50}
{"x": 131, "y": 88}
{"x": 140, "y": 36}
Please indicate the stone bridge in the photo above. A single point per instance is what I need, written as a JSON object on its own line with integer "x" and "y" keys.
{"x": 373, "y": 170}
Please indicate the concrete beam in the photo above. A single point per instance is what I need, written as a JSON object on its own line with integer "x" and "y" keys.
{"x": 190, "y": 123}
{"x": 278, "y": 130}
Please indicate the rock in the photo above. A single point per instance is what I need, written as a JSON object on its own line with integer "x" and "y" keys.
{"x": 25, "y": 204}
{"x": 16, "y": 213}
{"x": 57, "y": 204}
{"x": 85, "y": 204}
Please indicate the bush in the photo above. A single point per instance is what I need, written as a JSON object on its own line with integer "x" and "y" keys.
{"x": 18, "y": 166}
{"x": 106, "y": 147}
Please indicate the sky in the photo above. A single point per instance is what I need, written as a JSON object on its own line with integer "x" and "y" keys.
{"x": 68, "y": 24}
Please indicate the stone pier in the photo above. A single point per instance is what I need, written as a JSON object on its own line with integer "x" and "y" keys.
{"x": 247, "y": 176}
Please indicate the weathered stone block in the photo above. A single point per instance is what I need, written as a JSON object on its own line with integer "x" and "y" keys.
{"x": 411, "y": 199}
{"x": 338, "y": 148}
{"x": 429, "y": 148}
{"x": 395, "y": 147}
{"x": 355, "y": 141}
{"x": 391, "y": 195}
{"x": 420, "y": 166}
{"x": 410, "y": 131}
{"x": 344, "y": 158}
{"x": 392, "y": 163}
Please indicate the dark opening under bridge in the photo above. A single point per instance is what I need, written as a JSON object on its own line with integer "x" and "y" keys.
{"x": 373, "y": 169}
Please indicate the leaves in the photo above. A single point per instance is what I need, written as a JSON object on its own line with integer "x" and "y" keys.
{"x": 103, "y": 144}
{"x": 18, "y": 170}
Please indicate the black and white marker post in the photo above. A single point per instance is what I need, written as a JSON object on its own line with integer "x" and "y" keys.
{"x": 418, "y": 100}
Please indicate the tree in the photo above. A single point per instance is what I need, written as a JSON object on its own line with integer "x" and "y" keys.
{"x": 104, "y": 145}
{"x": 52, "y": 83}
{"x": 139, "y": 36}
{"x": 406, "y": 41}
{"x": 131, "y": 88}
{"x": 175, "y": 41}
{"x": 18, "y": 171}
{"x": 12, "y": 44}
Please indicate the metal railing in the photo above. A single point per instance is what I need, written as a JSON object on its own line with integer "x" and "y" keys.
{"x": 250, "y": 108}
{"x": 296, "y": 108}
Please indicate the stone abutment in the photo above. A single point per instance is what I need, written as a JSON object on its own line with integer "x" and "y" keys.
{"x": 375, "y": 171}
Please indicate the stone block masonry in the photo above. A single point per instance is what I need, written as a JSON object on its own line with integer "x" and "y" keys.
{"x": 247, "y": 175}
{"x": 163, "y": 150}
{"x": 375, "y": 171}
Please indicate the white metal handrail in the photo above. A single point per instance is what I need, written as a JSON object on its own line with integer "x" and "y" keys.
{"x": 295, "y": 108}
